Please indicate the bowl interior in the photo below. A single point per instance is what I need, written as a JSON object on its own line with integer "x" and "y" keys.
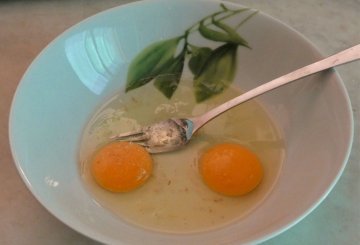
{"x": 88, "y": 63}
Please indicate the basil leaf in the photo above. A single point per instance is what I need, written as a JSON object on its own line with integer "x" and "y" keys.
{"x": 168, "y": 80}
{"x": 218, "y": 72}
{"x": 198, "y": 58}
{"x": 149, "y": 62}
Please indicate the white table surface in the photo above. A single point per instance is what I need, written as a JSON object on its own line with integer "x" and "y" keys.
{"x": 26, "y": 27}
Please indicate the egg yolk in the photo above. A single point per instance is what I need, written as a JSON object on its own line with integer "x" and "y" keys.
{"x": 230, "y": 169}
{"x": 121, "y": 166}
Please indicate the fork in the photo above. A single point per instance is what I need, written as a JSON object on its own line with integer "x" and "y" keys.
{"x": 174, "y": 133}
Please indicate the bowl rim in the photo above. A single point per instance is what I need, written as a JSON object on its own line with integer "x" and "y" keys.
{"x": 98, "y": 236}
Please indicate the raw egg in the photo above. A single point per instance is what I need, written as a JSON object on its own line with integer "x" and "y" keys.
{"x": 121, "y": 166}
{"x": 230, "y": 169}
{"x": 175, "y": 198}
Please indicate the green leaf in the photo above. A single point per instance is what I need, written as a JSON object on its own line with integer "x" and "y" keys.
{"x": 199, "y": 56}
{"x": 233, "y": 35}
{"x": 223, "y": 7}
{"x": 150, "y": 62}
{"x": 213, "y": 35}
{"x": 168, "y": 80}
{"x": 228, "y": 34}
{"x": 218, "y": 72}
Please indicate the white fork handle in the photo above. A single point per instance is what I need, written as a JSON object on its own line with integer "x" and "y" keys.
{"x": 345, "y": 56}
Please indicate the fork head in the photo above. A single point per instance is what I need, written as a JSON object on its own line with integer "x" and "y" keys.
{"x": 163, "y": 136}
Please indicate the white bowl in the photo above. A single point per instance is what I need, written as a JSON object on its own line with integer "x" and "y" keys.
{"x": 86, "y": 64}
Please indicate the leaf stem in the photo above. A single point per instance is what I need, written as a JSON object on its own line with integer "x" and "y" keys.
{"x": 229, "y": 14}
{"x": 246, "y": 19}
{"x": 233, "y": 12}
{"x": 190, "y": 29}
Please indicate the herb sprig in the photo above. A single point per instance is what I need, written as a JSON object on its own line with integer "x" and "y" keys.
{"x": 213, "y": 69}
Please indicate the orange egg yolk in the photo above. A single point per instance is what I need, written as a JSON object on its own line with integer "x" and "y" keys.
{"x": 230, "y": 169}
{"x": 121, "y": 166}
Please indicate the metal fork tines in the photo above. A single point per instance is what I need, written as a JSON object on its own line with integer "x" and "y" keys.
{"x": 138, "y": 137}
{"x": 158, "y": 137}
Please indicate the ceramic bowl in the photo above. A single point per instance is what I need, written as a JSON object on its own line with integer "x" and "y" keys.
{"x": 86, "y": 64}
